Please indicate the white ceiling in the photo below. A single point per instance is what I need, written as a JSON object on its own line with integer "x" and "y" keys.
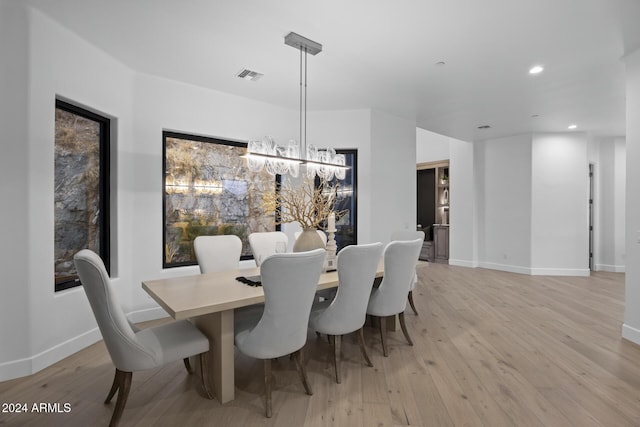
{"x": 382, "y": 55}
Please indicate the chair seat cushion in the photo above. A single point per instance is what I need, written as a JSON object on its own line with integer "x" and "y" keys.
{"x": 172, "y": 341}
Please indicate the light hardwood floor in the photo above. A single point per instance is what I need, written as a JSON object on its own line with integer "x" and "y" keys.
{"x": 491, "y": 349}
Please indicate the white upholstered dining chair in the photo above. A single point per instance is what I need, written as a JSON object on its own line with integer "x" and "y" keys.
{"x": 409, "y": 235}
{"x": 264, "y": 244}
{"x": 217, "y": 253}
{"x": 135, "y": 350}
{"x": 357, "y": 265}
{"x": 390, "y": 298}
{"x": 289, "y": 281}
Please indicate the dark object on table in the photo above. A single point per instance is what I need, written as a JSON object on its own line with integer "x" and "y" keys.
{"x": 250, "y": 280}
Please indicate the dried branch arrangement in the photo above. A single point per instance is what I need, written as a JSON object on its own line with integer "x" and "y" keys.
{"x": 305, "y": 203}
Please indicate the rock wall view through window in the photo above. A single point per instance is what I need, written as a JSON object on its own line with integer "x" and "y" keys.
{"x": 208, "y": 190}
{"x": 81, "y": 192}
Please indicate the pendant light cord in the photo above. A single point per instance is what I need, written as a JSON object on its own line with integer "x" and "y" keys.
{"x": 305, "y": 99}
{"x": 302, "y": 144}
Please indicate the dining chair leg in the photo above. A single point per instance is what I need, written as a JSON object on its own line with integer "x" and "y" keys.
{"x": 123, "y": 394}
{"x": 383, "y": 335}
{"x": 413, "y": 307}
{"x": 114, "y": 386}
{"x": 403, "y": 325}
{"x": 187, "y": 364}
{"x": 267, "y": 386}
{"x": 204, "y": 374}
{"x": 363, "y": 347}
{"x": 299, "y": 358}
{"x": 336, "y": 357}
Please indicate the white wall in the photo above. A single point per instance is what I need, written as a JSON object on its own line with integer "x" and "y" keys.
{"x": 504, "y": 203}
{"x": 14, "y": 178}
{"x": 559, "y": 204}
{"x": 619, "y": 204}
{"x": 532, "y": 197}
{"x": 393, "y": 180}
{"x": 463, "y": 231}
{"x": 631, "y": 327}
{"x": 610, "y": 173}
{"x": 558, "y": 188}
{"x": 431, "y": 146}
{"x": 60, "y": 64}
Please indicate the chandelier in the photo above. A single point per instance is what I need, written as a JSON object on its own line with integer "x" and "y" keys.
{"x": 286, "y": 159}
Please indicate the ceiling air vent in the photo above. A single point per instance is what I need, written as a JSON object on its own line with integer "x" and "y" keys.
{"x": 249, "y": 75}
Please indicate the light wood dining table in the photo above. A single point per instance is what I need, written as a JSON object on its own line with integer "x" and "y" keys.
{"x": 209, "y": 301}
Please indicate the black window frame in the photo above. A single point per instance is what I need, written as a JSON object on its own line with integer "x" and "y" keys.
{"x": 199, "y": 138}
{"x": 354, "y": 174}
{"x": 104, "y": 186}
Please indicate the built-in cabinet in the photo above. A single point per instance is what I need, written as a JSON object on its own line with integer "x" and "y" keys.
{"x": 441, "y": 243}
{"x": 433, "y": 198}
{"x": 442, "y": 195}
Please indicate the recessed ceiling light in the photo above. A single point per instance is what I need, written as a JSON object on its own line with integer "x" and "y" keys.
{"x": 536, "y": 69}
{"x": 572, "y": 126}
{"x": 484, "y": 127}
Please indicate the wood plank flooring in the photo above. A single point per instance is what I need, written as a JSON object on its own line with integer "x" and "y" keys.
{"x": 491, "y": 349}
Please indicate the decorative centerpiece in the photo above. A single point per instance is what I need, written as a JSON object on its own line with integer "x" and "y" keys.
{"x": 309, "y": 205}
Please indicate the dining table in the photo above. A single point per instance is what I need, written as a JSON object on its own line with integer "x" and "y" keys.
{"x": 209, "y": 300}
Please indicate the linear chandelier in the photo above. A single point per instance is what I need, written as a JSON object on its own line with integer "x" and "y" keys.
{"x": 285, "y": 159}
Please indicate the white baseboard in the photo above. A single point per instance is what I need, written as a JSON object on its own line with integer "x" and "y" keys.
{"x": 463, "y": 263}
{"x": 15, "y": 369}
{"x": 505, "y": 267}
{"x": 31, "y": 365}
{"x": 536, "y": 271}
{"x": 610, "y": 268}
{"x": 585, "y": 272}
{"x": 630, "y": 333}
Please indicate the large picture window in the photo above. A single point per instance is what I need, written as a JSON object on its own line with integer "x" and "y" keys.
{"x": 81, "y": 192}
{"x": 208, "y": 190}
